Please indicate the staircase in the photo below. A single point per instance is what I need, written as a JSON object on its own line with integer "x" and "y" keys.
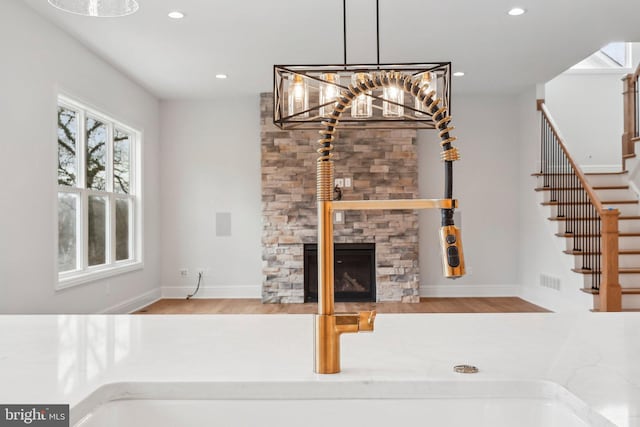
{"x": 598, "y": 216}
{"x": 614, "y": 192}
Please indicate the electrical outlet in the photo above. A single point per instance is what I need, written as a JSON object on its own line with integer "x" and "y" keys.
{"x": 184, "y": 272}
{"x": 339, "y": 182}
{"x": 202, "y": 271}
{"x": 338, "y": 217}
{"x": 347, "y": 183}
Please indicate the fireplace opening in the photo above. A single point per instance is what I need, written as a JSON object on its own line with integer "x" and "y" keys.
{"x": 354, "y": 272}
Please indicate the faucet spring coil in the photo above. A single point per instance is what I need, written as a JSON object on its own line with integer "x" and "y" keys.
{"x": 450, "y": 155}
{"x": 410, "y": 85}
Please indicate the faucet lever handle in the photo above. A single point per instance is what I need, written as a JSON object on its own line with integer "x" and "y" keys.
{"x": 366, "y": 319}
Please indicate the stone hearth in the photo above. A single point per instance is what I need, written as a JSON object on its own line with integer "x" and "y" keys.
{"x": 382, "y": 165}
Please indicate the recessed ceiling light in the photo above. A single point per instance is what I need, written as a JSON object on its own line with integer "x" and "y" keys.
{"x": 176, "y": 14}
{"x": 517, "y": 11}
{"x": 221, "y": 76}
{"x": 458, "y": 74}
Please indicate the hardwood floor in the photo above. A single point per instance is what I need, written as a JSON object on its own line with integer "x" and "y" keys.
{"x": 426, "y": 305}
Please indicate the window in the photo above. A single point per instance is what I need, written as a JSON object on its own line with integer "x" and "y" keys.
{"x": 614, "y": 57}
{"x": 99, "y": 207}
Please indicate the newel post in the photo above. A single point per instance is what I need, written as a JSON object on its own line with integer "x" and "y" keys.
{"x": 629, "y": 114}
{"x": 610, "y": 291}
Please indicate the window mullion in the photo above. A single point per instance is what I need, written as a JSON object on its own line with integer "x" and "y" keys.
{"x": 83, "y": 235}
{"x": 109, "y": 159}
{"x": 82, "y": 149}
{"x": 110, "y": 223}
{"x": 111, "y": 232}
{"x": 133, "y": 252}
{"x": 85, "y": 230}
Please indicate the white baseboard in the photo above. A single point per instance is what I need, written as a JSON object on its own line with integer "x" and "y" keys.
{"x": 133, "y": 304}
{"x": 239, "y": 291}
{"x": 600, "y": 168}
{"x": 579, "y": 302}
{"x": 454, "y": 290}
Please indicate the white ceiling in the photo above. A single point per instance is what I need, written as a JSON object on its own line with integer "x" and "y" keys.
{"x": 244, "y": 38}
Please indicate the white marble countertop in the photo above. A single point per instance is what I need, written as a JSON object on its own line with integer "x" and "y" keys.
{"x": 63, "y": 359}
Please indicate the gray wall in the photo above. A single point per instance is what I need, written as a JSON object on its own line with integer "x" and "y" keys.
{"x": 38, "y": 62}
{"x": 211, "y": 163}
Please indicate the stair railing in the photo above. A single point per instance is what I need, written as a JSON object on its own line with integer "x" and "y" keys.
{"x": 593, "y": 229}
{"x": 631, "y": 100}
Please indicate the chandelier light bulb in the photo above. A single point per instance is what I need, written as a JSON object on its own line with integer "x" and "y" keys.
{"x": 362, "y": 105}
{"x": 298, "y": 96}
{"x": 396, "y": 96}
{"x": 329, "y": 92}
{"x": 428, "y": 83}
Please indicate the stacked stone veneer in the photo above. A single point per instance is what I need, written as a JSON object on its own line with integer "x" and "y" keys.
{"x": 382, "y": 165}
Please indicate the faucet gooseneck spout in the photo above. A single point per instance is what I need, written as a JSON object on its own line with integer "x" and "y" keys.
{"x": 328, "y": 325}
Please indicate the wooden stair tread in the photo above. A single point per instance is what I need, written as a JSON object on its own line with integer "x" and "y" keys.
{"x": 620, "y": 271}
{"x": 607, "y": 173}
{"x": 594, "y": 235}
{"x": 550, "y": 174}
{"x": 620, "y": 252}
{"x": 586, "y": 173}
{"x": 604, "y": 187}
{"x": 604, "y": 202}
{"x": 625, "y": 291}
{"x": 621, "y": 218}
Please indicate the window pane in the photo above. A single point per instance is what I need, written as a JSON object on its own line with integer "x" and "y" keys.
{"x": 67, "y": 231}
{"x": 121, "y": 161}
{"x": 67, "y": 137}
{"x": 96, "y": 154}
{"x": 122, "y": 229}
{"x": 97, "y": 230}
{"x": 617, "y": 52}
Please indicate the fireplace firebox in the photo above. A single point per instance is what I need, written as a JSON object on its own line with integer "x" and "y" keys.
{"x": 354, "y": 272}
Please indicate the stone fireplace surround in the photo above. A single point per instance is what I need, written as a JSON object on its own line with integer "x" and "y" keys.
{"x": 382, "y": 165}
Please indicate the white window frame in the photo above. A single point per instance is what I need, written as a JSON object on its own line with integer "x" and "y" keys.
{"x": 83, "y": 272}
{"x": 612, "y": 68}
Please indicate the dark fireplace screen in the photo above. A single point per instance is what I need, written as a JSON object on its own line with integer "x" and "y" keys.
{"x": 354, "y": 272}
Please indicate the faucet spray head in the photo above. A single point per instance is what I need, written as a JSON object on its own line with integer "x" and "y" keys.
{"x": 452, "y": 255}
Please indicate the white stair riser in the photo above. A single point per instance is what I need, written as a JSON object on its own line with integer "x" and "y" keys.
{"x": 629, "y": 243}
{"x": 630, "y": 302}
{"x": 602, "y": 194}
{"x": 629, "y": 226}
{"x": 627, "y": 210}
{"x": 626, "y": 281}
{"x": 624, "y": 261}
{"x": 624, "y": 226}
{"x": 629, "y": 261}
{"x": 616, "y": 195}
{"x": 603, "y": 180}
